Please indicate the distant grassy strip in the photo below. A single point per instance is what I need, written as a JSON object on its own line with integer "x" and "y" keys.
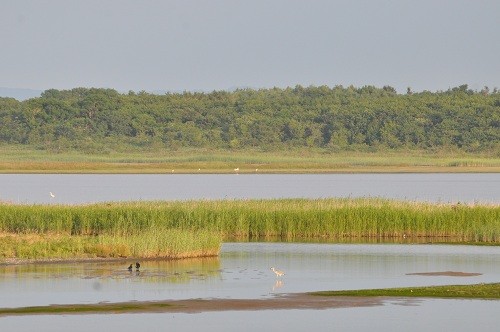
{"x": 228, "y": 168}
{"x": 22, "y": 160}
{"x": 285, "y": 219}
{"x": 479, "y": 291}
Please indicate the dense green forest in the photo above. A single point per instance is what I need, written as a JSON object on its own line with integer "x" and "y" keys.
{"x": 332, "y": 119}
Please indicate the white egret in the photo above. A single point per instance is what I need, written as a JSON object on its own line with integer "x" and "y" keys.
{"x": 51, "y": 194}
{"x": 278, "y": 273}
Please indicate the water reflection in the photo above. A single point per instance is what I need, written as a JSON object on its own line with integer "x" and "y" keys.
{"x": 277, "y": 285}
{"x": 243, "y": 272}
{"x": 153, "y": 271}
{"x": 44, "y": 284}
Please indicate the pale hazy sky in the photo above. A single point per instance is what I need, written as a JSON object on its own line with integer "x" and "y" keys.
{"x": 222, "y": 44}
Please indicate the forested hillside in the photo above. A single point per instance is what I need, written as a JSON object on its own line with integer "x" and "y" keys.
{"x": 335, "y": 119}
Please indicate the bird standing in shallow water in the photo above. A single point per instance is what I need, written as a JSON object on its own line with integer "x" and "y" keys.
{"x": 137, "y": 266}
{"x": 130, "y": 267}
{"x": 278, "y": 273}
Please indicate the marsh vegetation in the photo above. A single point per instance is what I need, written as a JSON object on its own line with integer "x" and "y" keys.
{"x": 196, "y": 228}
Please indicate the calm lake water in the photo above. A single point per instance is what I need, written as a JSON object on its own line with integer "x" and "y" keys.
{"x": 85, "y": 188}
{"x": 242, "y": 271}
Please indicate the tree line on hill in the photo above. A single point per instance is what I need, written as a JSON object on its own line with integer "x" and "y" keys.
{"x": 335, "y": 119}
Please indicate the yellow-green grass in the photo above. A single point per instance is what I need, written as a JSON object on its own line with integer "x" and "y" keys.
{"x": 24, "y": 160}
{"x": 285, "y": 219}
{"x": 477, "y": 291}
{"x": 171, "y": 244}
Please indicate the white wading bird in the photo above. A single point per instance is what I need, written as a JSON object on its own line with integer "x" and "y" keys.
{"x": 51, "y": 194}
{"x": 278, "y": 273}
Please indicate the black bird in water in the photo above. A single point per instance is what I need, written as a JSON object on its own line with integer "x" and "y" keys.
{"x": 130, "y": 267}
{"x": 137, "y": 266}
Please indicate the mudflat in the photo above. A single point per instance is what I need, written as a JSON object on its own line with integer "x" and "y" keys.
{"x": 301, "y": 301}
{"x": 284, "y": 302}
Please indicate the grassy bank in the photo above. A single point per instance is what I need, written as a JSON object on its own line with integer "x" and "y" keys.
{"x": 479, "y": 291}
{"x": 163, "y": 243}
{"x": 172, "y": 229}
{"x": 23, "y": 160}
{"x": 44, "y": 232}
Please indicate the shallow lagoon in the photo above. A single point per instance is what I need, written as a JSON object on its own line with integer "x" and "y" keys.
{"x": 242, "y": 271}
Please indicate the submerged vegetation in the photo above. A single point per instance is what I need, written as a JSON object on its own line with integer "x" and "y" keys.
{"x": 196, "y": 228}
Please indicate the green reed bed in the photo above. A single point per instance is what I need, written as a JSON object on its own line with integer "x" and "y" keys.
{"x": 96, "y": 231}
{"x": 285, "y": 219}
{"x": 170, "y": 244}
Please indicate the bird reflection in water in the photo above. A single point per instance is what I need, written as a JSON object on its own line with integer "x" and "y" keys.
{"x": 278, "y": 284}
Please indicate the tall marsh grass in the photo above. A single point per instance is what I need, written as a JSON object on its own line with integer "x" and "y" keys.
{"x": 163, "y": 244}
{"x": 107, "y": 231}
{"x": 287, "y": 219}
